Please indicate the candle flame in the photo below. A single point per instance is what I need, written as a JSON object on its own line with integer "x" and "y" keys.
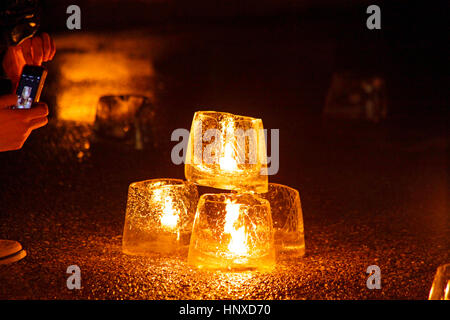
{"x": 169, "y": 219}
{"x": 447, "y": 291}
{"x": 228, "y": 162}
{"x": 238, "y": 242}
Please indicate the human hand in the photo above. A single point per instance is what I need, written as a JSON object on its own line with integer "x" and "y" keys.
{"x": 17, "y": 124}
{"x": 32, "y": 51}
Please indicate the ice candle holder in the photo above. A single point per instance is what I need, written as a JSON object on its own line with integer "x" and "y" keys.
{"x": 128, "y": 118}
{"x": 159, "y": 216}
{"x": 232, "y": 231}
{"x": 227, "y": 151}
{"x": 440, "y": 290}
{"x": 287, "y": 217}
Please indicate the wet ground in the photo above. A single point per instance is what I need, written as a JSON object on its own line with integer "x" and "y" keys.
{"x": 372, "y": 194}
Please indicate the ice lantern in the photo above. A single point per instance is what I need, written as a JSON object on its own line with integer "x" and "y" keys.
{"x": 234, "y": 232}
{"x": 159, "y": 216}
{"x": 287, "y": 219}
{"x": 227, "y": 151}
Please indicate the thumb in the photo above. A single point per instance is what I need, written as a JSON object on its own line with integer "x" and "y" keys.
{"x": 7, "y": 100}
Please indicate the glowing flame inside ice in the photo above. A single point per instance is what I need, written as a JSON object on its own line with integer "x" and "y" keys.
{"x": 228, "y": 162}
{"x": 169, "y": 219}
{"x": 447, "y": 291}
{"x": 238, "y": 242}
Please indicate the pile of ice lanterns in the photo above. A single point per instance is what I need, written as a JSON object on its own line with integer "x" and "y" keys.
{"x": 245, "y": 228}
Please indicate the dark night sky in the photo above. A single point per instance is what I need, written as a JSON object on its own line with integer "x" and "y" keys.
{"x": 410, "y": 49}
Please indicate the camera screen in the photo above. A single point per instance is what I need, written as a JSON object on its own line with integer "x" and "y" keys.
{"x": 27, "y": 89}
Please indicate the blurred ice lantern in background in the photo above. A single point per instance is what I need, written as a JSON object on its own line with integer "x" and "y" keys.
{"x": 89, "y": 66}
{"x": 129, "y": 118}
{"x": 355, "y": 97}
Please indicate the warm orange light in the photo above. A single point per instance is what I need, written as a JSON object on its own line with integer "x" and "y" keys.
{"x": 169, "y": 218}
{"x": 238, "y": 241}
{"x": 232, "y": 232}
{"x": 90, "y": 66}
{"x": 447, "y": 291}
{"x": 440, "y": 290}
{"x": 287, "y": 217}
{"x": 159, "y": 216}
{"x": 228, "y": 161}
{"x": 227, "y": 151}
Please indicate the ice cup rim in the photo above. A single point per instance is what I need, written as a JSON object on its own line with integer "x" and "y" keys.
{"x": 262, "y": 202}
{"x": 283, "y": 186}
{"x": 175, "y": 183}
{"x": 122, "y": 96}
{"x": 241, "y": 118}
{"x": 443, "y": 267}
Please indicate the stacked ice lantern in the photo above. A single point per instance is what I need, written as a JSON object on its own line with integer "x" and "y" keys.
{"x": 242, "y": 229}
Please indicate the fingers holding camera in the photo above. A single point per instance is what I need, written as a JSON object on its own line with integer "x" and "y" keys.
{"x": 16, "y": 125}
{"x": 37, "y": 116}
{"x": 38, "y": 49}
{"x": 39, "y": 110}
{"x": 27, "y": 51}
{"x": 48, "y": 46}
{"x": 37, "y": 123}
{"x": 7, "y": 100}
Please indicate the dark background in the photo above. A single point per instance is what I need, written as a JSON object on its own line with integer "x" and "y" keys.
{"x": 371, "y": 193}
{"x": 281, "y": 38}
